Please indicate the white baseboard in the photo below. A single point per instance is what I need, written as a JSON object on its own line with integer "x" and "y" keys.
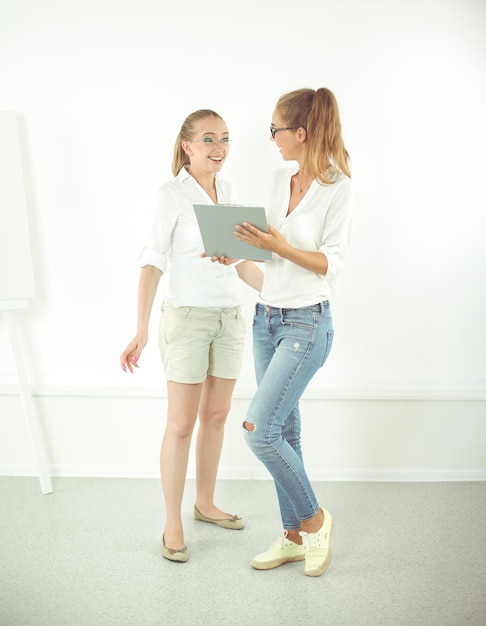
{"x": 334, "y": 389}
{"x": 259, "y": 473}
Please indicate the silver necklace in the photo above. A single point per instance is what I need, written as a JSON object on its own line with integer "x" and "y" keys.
{"x": 300, "y": 188}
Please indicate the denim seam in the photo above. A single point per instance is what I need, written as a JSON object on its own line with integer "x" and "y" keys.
{"x": 277, "y": 408}
{"x": 289, "y": 467}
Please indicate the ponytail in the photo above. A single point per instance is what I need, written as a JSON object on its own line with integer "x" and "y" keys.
{"x": 317, "y": 112}
{"x": 180, "y": 157}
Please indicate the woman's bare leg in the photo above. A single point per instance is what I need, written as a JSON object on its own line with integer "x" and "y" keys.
{"x": 182, "y": 409}
{"x": 214, "y": 407}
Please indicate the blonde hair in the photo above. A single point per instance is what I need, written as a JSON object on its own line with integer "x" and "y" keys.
{"x": 186, "y": 133}
{"x": 317, "y": 112}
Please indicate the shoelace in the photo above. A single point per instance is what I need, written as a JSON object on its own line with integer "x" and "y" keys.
{"x": 309, "y": 540}
{"x": 281, "y": 540}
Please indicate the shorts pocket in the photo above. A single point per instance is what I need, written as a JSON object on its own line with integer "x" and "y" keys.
{"x": 171, "y": 322}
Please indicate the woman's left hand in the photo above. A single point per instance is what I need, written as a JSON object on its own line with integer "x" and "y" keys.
{"x": 273, "y": 240}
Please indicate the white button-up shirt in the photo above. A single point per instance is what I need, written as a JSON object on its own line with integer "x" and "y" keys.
{"x": 321, "y": 222}
{"x": 175, "y": 246}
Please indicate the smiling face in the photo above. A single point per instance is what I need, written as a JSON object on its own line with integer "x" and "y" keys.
{"x": 209, "y": 146}
{"x": 291, "y": 143}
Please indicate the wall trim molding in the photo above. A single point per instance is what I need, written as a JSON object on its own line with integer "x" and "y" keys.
{"x": 372, "y": 390}
{"x": 257, "y": 473}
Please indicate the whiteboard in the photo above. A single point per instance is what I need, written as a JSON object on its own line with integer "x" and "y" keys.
{"x": 16, "y": 268}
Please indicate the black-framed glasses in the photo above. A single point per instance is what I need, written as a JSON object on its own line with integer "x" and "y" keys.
{"x": 274, "y": 130}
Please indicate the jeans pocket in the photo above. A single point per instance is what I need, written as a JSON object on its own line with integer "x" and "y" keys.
{"x": 329, "y": 341}
{"x": 298, "y": 318}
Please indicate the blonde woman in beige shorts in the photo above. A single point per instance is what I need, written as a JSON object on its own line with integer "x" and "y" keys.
{"x": 202, "y": 332}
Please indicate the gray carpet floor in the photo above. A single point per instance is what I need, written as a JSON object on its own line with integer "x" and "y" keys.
{"x": 88, "y": 555}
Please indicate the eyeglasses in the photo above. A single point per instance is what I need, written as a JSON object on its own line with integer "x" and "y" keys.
{"x": 212, "y": 142}
{"x": 274, "y": 130}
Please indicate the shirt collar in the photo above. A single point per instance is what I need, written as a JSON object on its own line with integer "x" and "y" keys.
{"x": 183, "y": 175}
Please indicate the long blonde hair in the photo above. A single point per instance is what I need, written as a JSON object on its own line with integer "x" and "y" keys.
{"x": 317, "y": 111}
{"x": 186, "y": 133}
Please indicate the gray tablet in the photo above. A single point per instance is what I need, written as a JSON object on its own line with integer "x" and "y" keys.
{"x": 217, "y": 224}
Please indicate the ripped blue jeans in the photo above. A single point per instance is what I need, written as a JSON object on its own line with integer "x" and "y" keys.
{"x": 289, "y": 346}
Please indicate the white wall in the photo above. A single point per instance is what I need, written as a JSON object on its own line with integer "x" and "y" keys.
{"x": 101, "y": 89}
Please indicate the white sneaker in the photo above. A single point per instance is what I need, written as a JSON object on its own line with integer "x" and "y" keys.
{"x": 282, "y": 551}
{"x": 318, "y": 548}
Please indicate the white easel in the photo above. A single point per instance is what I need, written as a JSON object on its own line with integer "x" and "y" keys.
{"x": 26, "y": 396}
{"x": 16, "y": 270}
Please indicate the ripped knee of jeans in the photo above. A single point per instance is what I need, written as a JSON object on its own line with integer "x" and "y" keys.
{"x": 249, "y": 427}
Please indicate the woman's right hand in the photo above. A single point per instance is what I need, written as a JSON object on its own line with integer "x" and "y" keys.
{"x": 222, "y": 260}
{"x": 130, "y": 356}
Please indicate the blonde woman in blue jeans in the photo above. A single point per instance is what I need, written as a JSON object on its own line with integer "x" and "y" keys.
{"x": 310, "y": 212}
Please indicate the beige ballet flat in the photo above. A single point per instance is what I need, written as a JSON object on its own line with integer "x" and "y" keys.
{"x": 179, "y": 556}
{"x": 233, "y": 523}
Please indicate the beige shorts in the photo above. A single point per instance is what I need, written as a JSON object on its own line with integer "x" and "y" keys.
{"x": 195, "y": 343}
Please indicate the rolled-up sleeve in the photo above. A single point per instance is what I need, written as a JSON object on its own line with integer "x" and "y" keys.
{"x": 158, "y": 246}
{"x": 336, "y": 234}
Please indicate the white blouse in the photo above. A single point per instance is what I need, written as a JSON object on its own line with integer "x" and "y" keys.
{"x": 321, "y": 222}
{"x": 175, "y": 246}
